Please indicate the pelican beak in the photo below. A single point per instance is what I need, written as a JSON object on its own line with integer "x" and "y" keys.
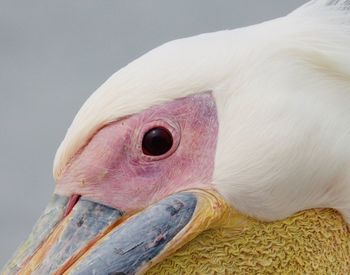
{"x": 96, "y": 239}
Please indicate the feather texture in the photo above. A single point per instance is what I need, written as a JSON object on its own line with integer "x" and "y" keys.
{"x": 282, "y": 90}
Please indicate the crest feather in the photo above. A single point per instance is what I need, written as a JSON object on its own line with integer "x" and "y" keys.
{"x": 337, "y": 11}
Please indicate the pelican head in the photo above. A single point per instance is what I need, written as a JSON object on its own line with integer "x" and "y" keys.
{"x": 200, "y": 133}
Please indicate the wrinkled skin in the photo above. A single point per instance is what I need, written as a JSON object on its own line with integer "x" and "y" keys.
{"x": 113, "y": 170}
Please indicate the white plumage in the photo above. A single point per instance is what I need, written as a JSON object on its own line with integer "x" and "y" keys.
{"x": 282, "y": 90}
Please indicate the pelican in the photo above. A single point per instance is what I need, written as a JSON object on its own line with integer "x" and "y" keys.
{"x": 226, "y": 152}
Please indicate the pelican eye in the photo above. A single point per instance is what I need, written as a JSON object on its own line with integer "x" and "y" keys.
{"x": 157, "y": 141}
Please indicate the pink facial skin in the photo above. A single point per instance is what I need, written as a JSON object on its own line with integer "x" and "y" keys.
{"x": 113, "y": 170}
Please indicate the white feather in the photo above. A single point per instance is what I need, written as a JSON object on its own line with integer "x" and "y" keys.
{"x": 282, "y": 90}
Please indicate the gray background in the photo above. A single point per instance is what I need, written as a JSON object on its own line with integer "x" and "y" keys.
{"x": 54, "y": 54}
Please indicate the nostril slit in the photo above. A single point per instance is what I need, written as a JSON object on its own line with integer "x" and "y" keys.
{"x": 71, "y": 203}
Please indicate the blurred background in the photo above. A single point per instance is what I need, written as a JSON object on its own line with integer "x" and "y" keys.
{"x": 54, "y": 54}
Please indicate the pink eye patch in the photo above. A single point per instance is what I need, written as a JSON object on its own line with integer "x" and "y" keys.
{"x": 143, "y": 158}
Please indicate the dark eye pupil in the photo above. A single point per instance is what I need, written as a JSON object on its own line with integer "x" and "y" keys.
{"x": 157, "y": 141}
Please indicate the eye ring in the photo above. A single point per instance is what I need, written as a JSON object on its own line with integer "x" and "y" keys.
{"x": 170, "y": 127}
